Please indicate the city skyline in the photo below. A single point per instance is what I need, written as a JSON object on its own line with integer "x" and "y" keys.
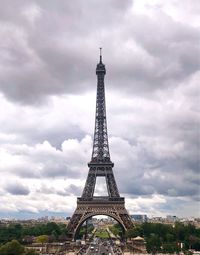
{"x": 48, "y": 93}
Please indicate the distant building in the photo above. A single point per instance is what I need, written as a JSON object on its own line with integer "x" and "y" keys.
{"x": 157, "y": 220}
{"x": 171, "y": 218}
{"x": 139, "y": 217}
{"x": 43, "y": 219}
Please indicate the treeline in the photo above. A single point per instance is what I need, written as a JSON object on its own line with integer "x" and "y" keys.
{"x": 19, "y": 232}
{"x": 167, "y": 238}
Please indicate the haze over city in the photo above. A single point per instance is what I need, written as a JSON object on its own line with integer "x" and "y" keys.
{"x": 48, "y": 55}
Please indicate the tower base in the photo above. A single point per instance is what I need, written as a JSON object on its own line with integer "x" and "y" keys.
{"x": 112, "y": 207}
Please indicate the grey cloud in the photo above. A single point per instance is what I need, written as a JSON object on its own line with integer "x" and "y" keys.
{"x": 53, "y": 168}
{"x": 177, "y": 206}
{"x": 71, "y": 190}
{"x": 175, "y": 187}
{"x": 23, "y": 171}
{"x": 55, "y": 135}
{"x": 17, "y": 189}
{"x": 58, "y": 56}
{"x": 52, "y": 65}
{"x": 170, "y": 179}
{"x": 67, "y": 191}
{"x": 137, "y": 188}
{"x": 58, "y": 170}
{"x": 166, "y": 159}
{"x": 170, "y": 55}
{"x": 46, "y": 190}
{"x": 76, "y": 190}
{"x": 147, "y": 171}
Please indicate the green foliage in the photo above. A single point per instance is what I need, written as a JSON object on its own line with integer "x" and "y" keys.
{"x": 193, "y": 242}
{"x": 18, "y": 231}
{"x": 167, "y": 238}
{"x": 170, "y": 248}
{"x": 52, "y": 227}
{"x": 136, "y": 231}
{"x": 82, "y": 230}
{"x": 102, "y": 233}
{"x": 11, "y": 232}
{"x": 12, "y": 248}
{"x": 15, "y": 248}
{"x": 116, "y": 229}
{"x": 42, "y": 239}
{"x": 153, "y": 243}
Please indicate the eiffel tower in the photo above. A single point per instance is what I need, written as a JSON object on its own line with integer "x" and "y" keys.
{"x": 100, "y": 165}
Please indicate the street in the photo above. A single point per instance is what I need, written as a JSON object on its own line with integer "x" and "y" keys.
{"x": 99, "y": 247}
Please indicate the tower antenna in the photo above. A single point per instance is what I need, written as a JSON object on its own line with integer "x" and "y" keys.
{"x": 100, "y": 49}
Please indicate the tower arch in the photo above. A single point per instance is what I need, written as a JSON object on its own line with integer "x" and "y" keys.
{"x": 88, "y": 216}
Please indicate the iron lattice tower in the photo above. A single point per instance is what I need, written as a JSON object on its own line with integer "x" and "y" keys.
{"x": 100, "y": 165}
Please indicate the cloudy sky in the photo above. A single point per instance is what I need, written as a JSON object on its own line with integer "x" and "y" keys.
{"x": 48, "y": 56}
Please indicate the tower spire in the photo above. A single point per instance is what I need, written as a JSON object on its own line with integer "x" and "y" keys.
{"x": 100, "y": 49}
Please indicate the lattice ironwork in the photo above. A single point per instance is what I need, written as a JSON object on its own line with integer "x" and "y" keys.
{"x": 100, "y": 151}
{"x": 84, "y": 211}
{"x": 100, "y": 165}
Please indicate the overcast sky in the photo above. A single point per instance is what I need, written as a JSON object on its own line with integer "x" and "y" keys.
{"x": 48, "y": 55}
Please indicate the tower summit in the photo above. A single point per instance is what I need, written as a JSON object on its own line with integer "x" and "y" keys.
{"x": 100, "y": 165}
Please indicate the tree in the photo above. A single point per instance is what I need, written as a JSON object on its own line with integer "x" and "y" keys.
{"x": 194, "y": 242}
{"x": 52, "y": 227}
{"x": 169, "y": 237}
{"x": 170, "y": 248}
{"x": 180, "y": 231}
{"x": 153, "y": 244}
{"x": 12, "y": 248}
{"x": 18, "y": 231}
{"x": 135, "y": 231}
{"x": 42, "y": 239}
